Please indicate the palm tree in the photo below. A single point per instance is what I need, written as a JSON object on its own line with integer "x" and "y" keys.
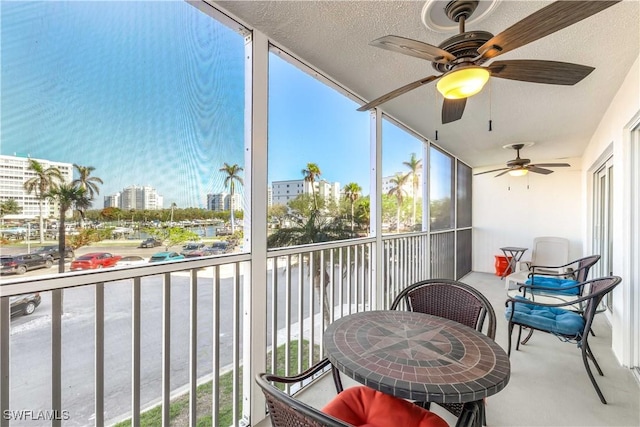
{"x": 230, "y": 181}
{"x": 414, "y": 165}
{"x": 352, "y": 193}
{"x": 87, "y": 182}
{"x": 67, "y": 196}
{"x": 310, "y": 174}
{"x": 399, "y": 192}
{"x": 173, "y": 206}
{"x": 43, "y": 181}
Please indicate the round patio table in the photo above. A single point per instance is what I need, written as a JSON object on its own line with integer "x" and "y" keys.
{"x": 417, "y": 356}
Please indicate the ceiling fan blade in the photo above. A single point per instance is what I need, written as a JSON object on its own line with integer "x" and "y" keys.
{"x": 452, "y": 110}
{"x": 551, "y": 165}
{"x": 494, "y": 170}
{"x": 549, "y": 72}
{"x": 502, "y": 173}
{"x": 535, "y": 169}
{"x": 397, "y": 92}
{"x": 413, "y": 48}
{"x": 549, "y": 19}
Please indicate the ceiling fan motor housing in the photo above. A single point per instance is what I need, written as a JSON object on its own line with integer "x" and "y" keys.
{"x": 464, "y": 47}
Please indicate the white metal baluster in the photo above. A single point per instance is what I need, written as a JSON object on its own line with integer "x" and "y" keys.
{"x": 237, "y": 313}
{"x": 341, "y": 281}
{"x": 274, "y": 311}
{"x": 215, "y": 351}
{"x": 193, "y": 347}
{"x": 99, "y": 355}
{"x": 56, "y": 355}
{"x": 5, "y": 316}
{"x": 135, "y": 352}
{"x": 356, "y": 278}
{"x": 166, "y": 348}
{"x": 349, "y": 281}
{"x": 300, "y": 312}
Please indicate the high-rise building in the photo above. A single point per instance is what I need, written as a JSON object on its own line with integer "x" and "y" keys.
{"x": 14, "y": 172}
{"x": 135, "y": 197}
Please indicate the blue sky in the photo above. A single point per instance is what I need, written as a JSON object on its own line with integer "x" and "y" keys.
{"x": 151, "y": 93}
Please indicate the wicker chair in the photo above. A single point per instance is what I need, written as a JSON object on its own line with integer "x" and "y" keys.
{"x": 456, "y": 301}
{"x": 287, "y": 411}
{"x": 569, "y": 325}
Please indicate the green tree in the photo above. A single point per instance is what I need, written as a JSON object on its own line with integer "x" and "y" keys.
{"x": 9, "y": 207}
{"x": 399, "y": 181}
{"x": 44, "y": 179}
{"x": 305, "y": 204}
{"x": 277, "y": 213}
{"x": 307, "y": 229}
{"x": 363, "y": 213}
{"x": 230, "y": 182}
{"x": 352, "y": 193}
{"x": 310, "y": 174}
{"x": 110, "y": 213}
{"x": 414, "y": 164}
{"x": 172, "y": 236}
{"x": 67, "y": 196}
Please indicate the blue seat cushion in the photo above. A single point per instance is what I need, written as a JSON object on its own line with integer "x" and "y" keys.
{"x": 556, "y": 283}
{"x": 553, "y": 319}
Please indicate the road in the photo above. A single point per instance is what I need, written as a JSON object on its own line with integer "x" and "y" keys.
{"x": 31, "y": 344}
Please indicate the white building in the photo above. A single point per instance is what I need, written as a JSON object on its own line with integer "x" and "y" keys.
{"x": 387, "y": 185}
{"x": 14, "y": 172}
{"x": 222, "y": 202}
{"x": 135, "y": 197}
{"x": 112, "y": 201}
{"x": 284, "y": 191}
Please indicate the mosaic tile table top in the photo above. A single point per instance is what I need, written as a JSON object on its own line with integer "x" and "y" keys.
{"x": 417, "y": 356}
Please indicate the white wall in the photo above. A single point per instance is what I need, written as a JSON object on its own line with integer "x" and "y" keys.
{"x": 611, "y": 131}
{"x": 512, "y": 211}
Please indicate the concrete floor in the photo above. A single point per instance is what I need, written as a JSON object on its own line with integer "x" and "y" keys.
{"x": 549, "y": 385}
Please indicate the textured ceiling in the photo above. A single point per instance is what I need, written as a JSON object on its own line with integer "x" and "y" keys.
{"x": 334, "y": 36}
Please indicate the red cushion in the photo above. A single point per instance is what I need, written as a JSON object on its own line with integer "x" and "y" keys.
{"x": 365, "y": 407}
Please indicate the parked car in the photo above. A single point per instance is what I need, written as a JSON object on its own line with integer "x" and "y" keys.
{"x": 220, "y": 247}
{"x": 20, "y": 264}
{"x": 53, "y": 252}
{"x": 165, "y": 256}
{"x": 206, "y": 251}
{"x": 190, "y": 247}
{"x": 95, "y": 260}
{"x": 131, "y": 260}
{"x": 150, "y": 243}
{"x": 24, "y": 304}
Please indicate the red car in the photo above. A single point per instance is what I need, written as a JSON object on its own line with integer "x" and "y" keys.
{"x": 94, "y": 260}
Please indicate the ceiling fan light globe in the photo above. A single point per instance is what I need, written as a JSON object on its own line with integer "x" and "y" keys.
{"x": 463, "y": 83}
{"x": 518, "y": 172}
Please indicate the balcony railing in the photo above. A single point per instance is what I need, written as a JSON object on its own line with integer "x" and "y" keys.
{"x": 110, "y": 344}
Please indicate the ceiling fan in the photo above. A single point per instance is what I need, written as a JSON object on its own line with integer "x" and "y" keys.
{"x": 520, "y": 167}
{"x": 460, "y": 57}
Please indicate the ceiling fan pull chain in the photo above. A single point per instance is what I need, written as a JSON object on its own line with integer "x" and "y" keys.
{"x": 490, "y": 115}
{"x": 435, "y": 107}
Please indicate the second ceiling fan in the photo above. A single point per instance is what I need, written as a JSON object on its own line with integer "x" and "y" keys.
{"x": 460, "y": 57}
{"x": 520, "y": 166}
